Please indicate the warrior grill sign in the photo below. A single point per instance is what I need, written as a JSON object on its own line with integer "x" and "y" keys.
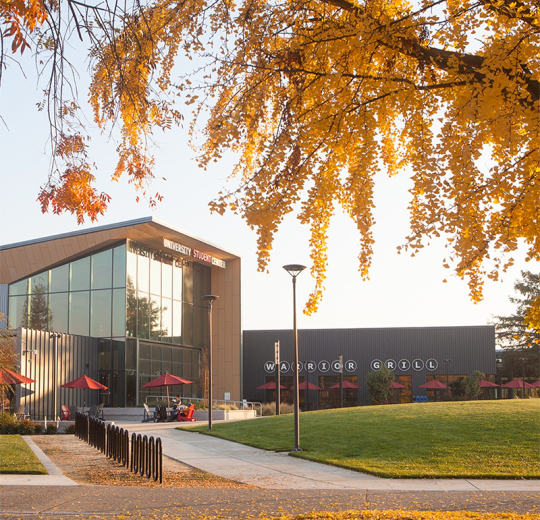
{"x": 188, "y": 251}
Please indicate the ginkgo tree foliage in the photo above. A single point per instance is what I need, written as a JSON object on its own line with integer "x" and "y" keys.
{"x": 314, "y": 97}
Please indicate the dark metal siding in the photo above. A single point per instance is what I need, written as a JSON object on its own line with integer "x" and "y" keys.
{"x": 77, "y": 356}
{"x": 469, "y": 348}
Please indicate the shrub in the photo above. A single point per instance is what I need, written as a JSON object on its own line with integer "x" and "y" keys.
{"x": 51, "y": 428}
{"x": 26, "y": 427}
{"x": 270, "y": 408}
{"x": 7, "y": 422}
{"x": 378, "y": 385}
{"x": 38, "y": 428}
{"x": 471, "y": 384}
{"x": 225, "y": 406}
{"x": 70, "y": 429}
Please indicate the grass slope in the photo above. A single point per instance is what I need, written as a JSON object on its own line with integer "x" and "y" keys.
{"x": 16, "y": 457}
{"x": 474, "y": 439}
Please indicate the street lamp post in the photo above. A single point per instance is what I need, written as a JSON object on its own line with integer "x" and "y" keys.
{"x": 54, "y": 336}
{"x": 523, "y": 360}
{"x": 447, "y": 361}
{"x": 278, "y": 378}
{"x": 210, "y": 299}
{"x": 294, "y": 270}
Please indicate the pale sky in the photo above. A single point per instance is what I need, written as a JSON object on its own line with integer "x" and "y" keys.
{"x": 402, "y": 291}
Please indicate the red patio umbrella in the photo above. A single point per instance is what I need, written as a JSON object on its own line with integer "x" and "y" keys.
{"x": 517, "y": 383}
{"x": 84, "y": 382}
{"x": 304, "y": 384}
{"x": 396, "y": 385}
{"x": 536, "y": 384}
{"x": 270, "y": 386}
{"x": 346, "y": 385}
{"x": 433, "y": 385}
{"x": 486, "y": 384}
{"x": 13, "y": 378}
{"x": 167, "y": 380}
{"x": 8, "y": 377}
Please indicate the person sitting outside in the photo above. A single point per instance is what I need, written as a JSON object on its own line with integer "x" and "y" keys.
{"x": 182, "y": 410}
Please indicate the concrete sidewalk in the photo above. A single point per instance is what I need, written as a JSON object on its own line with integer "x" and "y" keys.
{"x": 269, "y": 470}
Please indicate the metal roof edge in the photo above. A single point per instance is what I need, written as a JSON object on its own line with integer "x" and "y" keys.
{"x": 127, "y": 223}
{"x": 179, "y": 230}
{"x": 134, "y": 222}
{"x": 373, "y": 328}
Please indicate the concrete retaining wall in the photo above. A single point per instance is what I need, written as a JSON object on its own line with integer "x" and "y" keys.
{"x": 137, "y": 414}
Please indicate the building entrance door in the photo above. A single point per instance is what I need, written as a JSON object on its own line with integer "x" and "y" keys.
{"x": 110, "y": 396}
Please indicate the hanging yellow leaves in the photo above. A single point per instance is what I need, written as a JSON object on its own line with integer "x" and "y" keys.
{"x": 317, "y": 96}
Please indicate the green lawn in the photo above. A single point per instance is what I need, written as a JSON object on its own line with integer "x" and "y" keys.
{"x": 17, "y": 457}
{"x": 476, "y": 439}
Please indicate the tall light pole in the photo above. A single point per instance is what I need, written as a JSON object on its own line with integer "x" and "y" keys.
{"x": 523, "y": 359}
{"x": 210, "y": 299}
{"x": 294, "y": 270}
{"x": 278, "y": 378}
{"x": 447, "y": 361}
{"x": 54, "y": 336}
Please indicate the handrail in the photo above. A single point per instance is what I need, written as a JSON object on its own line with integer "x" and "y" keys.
{"x": 241, "y": 405}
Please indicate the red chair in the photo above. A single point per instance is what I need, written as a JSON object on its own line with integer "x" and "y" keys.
{"x": 189, "y": 417}
{"x": 66, "y": 414}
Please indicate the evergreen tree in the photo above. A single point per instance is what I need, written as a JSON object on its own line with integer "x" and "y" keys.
{"x": 515, "y": 335}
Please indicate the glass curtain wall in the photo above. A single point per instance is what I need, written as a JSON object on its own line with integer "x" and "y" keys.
{"x": 137, "y": 300}
{"x": 86, "y": 297}
{"x": 164, "y": 306}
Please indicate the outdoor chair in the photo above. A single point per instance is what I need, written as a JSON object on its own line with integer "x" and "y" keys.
{"x": 99, "y": 411}
{"x": 189, "y": 417}
{"x": 161, "y": 413}
{"x": 65, "y": 414}
{"x": 73, "y": 411}
{"x": 149, "y": 415}
{"x": 22, "y": 412}
{"x": 92, "y": 411}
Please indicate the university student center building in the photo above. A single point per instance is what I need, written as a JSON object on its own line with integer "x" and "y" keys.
{"x": 123, "y": 304}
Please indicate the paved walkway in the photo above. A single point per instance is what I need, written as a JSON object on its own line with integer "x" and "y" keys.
{"x": 270, "y": 470}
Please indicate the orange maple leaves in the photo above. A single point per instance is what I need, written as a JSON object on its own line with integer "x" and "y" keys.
{"x": 73, "y": 190}
{"x": 21, "y": 17}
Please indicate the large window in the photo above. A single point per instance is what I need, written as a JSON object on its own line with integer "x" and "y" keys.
{"x": 164, "y": 297}
{"x": 75, "y": 298}
{"x": 102, "y": 270}
{"x": 157, "y": 359}
{"x": 330, "y": 397}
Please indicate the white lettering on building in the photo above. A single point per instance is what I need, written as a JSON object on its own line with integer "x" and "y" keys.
{"x": 431, "y": 364}
{"x": 376, "y": 365}
{"x": 404, "y": 365}
{"x": 269, "y": 367}
{"x": 418, "y": 365}
{"x": 390, "y": 364}
{"x": 199, "y": 255}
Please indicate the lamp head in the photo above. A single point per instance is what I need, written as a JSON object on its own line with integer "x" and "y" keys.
{"x": 294, "y": 269}
{"x": 210, "y": 298}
